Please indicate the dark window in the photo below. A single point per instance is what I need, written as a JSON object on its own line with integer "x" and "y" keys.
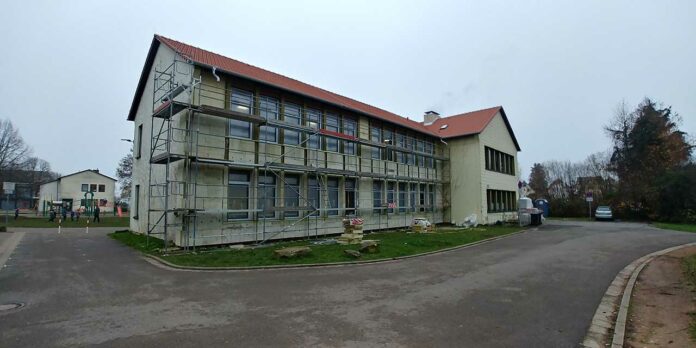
{"x": 136, "y": 202}
{"x": 293, "y": 115}
{"x": 501, "y": 201}
{"x": 332, "y": 192}
{"x": 376, "y": 137}
{"x": 403, "y": 192}
{"x": 292, "y": 195}
{"x": 102, "y": 188}
{"x": 313, "y": 121}
{"x": 268, "y": 110}
{"x": 241, "y": 101}
{"x": 85, "y": 187}
{"x": 332, "y": 124}
{"x": 93, "y": 187}
{"x": 412, "y": 196}
{"x": 498, "y": 161}
{"x": 267, "y": 195}
{"x": 431, "y": 197}
{"x": 314, "y": 194}
{"x": 377, "y": 197}
{"x": 391, "y": 195}
{"x": 350, "y": 196}
{"x": 238, "y": 195}
{"x": 421, "y": 197}
{"x": 139, "y": 139}
{"x": 349, "y": 128}
{"x": 388, "y": 139}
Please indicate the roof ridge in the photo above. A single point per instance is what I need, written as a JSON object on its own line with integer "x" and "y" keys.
{"x": 473, "y": 111}
{"x": 285, "y": 76}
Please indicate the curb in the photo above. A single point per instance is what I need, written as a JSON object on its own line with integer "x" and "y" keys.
{"x": 612, "y": 312}
{"x": 8, "y": 248}
{"x": 157, "y": 261}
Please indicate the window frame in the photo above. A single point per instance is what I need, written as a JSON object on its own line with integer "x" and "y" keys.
{"x": 240, "y": 183}
{"x": 237, "y": 105}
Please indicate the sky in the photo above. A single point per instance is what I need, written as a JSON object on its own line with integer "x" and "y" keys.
{"x": 559, "y": 68}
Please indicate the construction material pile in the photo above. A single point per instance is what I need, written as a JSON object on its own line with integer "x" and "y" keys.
{"x": 352, "y": 231}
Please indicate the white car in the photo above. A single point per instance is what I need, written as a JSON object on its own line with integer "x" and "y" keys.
{"x": 604, "y": 212}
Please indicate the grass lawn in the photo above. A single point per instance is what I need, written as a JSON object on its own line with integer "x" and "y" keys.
{"x": 676, "y": 227}
{"x": 392, "y": 244}
{"x": 106, "y": 221}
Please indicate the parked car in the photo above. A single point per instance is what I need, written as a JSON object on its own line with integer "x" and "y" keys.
{"x": 604, "y": 212}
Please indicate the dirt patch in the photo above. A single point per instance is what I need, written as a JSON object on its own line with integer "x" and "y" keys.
{"x": 661, "y": 303}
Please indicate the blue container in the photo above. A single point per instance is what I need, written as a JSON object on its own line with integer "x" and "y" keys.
{"x": 542, "y": 205}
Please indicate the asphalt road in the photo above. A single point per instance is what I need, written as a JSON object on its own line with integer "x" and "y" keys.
{"x": 535, "y": 289}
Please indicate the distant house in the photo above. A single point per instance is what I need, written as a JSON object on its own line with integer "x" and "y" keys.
{"x": 85, "y": 189}
{"x": 27, "y": 183}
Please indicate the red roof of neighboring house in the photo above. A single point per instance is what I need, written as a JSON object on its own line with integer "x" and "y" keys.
{"x": 458, "y": 125}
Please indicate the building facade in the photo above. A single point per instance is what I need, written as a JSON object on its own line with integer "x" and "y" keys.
{"x": 225, "y": 152}
{"x": 82, "y": 190}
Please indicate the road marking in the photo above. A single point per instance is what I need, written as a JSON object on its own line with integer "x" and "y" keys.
{"x": 9, "y": 246}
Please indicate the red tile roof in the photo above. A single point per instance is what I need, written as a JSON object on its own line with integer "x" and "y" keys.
{"x": 458, "y": 125}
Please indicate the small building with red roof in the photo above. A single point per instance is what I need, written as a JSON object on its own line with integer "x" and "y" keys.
{"x": 227, "y": 152}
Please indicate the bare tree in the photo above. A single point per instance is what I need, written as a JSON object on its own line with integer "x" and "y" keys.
{"x": 124, "y": 173}
{"x": 13, "y": 150}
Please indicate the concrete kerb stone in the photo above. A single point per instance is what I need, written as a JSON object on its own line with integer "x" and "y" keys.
{"x": 159, "y": 262}
{"x": 612, "y": 312}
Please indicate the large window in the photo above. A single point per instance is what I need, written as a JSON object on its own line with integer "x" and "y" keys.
{"x": 139, "y": 139}
{"x": 332, "y": 124}
{"x": 136, "y": 203}
{"x": 292, "y": 195}
{"x": 388, "y": 139}
{"x": 421, "y": 198}
{"x": 241, "y": 101}
{"x": 376, "y": 137}
{"x": 349, "y": 128}
{"x": 377, "y": 197}
{"x": 84, "y": 188}
{"x": 293, "y": 115}
{"x": 500, "y": 162}
{"x": 102, "y": 188}
{"x": 314, "y": 194}
{"x": 350, "y": 193}
{"x": 431, "y": 197}
{"x": 267, "y": 195}
{"x": 391, "y": 195}
{"x": 238, "y": 195}
{"x": 313, "y": 121}
{"x": 332, "y": 193}
{"x": 501, "y": 201}
{"x": 402, "y": 196}
{"x": 412, "y": 196}
{"x": 268, "y": 110}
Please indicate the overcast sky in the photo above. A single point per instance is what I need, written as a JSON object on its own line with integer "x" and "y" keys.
{"x": 559, "y": 68}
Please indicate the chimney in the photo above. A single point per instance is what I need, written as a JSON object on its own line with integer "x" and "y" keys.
{"x": 430, "y": 117}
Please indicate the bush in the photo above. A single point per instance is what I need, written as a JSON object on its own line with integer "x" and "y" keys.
{"x": 3, "y": 228}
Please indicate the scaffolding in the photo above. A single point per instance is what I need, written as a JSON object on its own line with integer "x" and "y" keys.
{"x": 291, "y": 190}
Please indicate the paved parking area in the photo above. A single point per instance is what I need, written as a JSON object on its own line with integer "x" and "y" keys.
{"x": 538, "y": 288}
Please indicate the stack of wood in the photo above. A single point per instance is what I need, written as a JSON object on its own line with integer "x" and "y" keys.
{"x": 352, "y": 231}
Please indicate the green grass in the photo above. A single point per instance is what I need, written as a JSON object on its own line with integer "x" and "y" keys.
{"x": 676, "y": 227}
{"x": 689, "y": 264}
{"x": 392, "y": 244}
{"x": 42, "y": 222}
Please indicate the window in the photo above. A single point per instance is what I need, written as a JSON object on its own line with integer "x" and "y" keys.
{"x": 139, "y": 144}
{"x": 412, "y": 196}
{"x": 391, "y": 195}
{"x": 267, "y": 194}
{"x": 93, "y": 187}
{"x": 377, "y": 197}
{"x": 293, "y": 115}
{"x": 332, "y": 192}
{"x": 313, "y": 121}
{"x": 501, "y": 201}
{"x": 268, "y": 110}
{"x": 136, "y": 202}
{"x": 349, "y": 197}
{"x": 388, "y": 139}
{"x": 421, "y": 198}
{"x": 241, "y": 101}
{"x": 402, "y": 197}
{"x": 349, "y": 128}
{"x": 314, "y": 194}
{"x": 292, "y": 195}
{"x": 85, "y": 187}
{"x": 238, "y": 195}
{"x": 498, "y": 161}
{"x": 102, "y": 188}
{"x": 376, "y": 137}
{"x": 332, "y": 124}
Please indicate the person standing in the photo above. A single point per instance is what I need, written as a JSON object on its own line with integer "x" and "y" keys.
{"x": 16, "y": 213}
{"x": 96, "y": 214}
